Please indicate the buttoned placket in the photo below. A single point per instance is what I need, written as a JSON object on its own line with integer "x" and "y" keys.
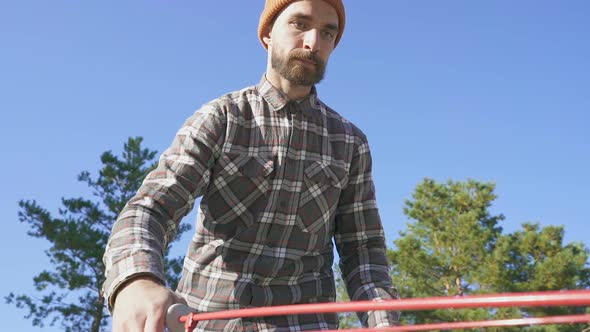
{"x": 295, "y": 144}
{"x": 283, "y": 204}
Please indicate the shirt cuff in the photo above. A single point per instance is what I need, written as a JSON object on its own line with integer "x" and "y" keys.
{"x": 382, "y": 318}
{"x": 112, "y": 289}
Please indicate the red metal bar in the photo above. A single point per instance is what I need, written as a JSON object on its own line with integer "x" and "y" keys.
{"x": 532, "y": 299}
{"x": 571, "y": 319}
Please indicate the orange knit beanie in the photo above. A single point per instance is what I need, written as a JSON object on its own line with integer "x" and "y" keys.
{"x": 272, "y": 8}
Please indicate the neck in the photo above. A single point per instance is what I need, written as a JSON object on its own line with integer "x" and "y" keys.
{"x": 294, "y": 92}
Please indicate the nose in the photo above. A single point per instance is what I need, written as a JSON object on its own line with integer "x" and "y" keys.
{"x": 311, "y": 40}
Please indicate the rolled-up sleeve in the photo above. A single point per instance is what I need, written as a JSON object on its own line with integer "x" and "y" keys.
{"x": 360, "y": 241}
{"x": 150, "y": 219}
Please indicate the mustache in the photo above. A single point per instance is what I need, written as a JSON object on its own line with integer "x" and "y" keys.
{"x": 306, "y": 55}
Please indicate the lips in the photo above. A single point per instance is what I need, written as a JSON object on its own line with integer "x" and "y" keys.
{"x": 307, "y": 62}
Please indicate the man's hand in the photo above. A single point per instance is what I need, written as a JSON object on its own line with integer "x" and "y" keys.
{"x": 141, "y": 306}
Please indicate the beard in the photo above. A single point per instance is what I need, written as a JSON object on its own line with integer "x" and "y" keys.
{"x": 296, "y": 73}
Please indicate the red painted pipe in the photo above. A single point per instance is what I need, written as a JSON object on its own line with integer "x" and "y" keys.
{"x": 571, "y": 319}
{"x": 531, "y": 299}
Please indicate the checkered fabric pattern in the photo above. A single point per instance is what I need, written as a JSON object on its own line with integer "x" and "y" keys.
{"x": 281, "y": 181}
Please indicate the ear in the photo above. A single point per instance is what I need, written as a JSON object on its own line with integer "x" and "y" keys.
{"x": 266, "y": 37}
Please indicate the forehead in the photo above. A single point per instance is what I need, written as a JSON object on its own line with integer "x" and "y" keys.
{"x": 317, "y": 10}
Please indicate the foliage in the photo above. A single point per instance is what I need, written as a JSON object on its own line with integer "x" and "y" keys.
{"x": 70, "y": 293}
{"x": 454, "y": 246}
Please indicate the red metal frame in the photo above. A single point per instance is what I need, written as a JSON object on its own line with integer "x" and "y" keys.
{"x": 530, "y": 299}
{"x": 570, "y": 319}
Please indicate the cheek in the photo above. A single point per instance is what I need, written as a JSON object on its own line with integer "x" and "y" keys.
{"x": 291, "y": 40}
{"x": 326, "y": 49}
{"x": 325, "y": 55}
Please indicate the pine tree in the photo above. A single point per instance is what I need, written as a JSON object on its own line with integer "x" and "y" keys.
{"x": 454, "y": 246}
{"x": 70, "y": 292}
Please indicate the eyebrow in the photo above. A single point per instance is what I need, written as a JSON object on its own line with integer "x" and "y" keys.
{"x": 330, "y": 26}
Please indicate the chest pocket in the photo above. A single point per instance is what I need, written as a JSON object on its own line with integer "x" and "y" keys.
{"x": 238, "y": 188}
{"x": 322, "y": 185}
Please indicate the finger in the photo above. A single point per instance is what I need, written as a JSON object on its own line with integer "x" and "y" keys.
{"x": 155, "y": 323}
{"x": 127, "y": 325}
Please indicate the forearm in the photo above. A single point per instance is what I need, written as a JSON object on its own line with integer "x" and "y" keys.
{"x": 150, "y": 219}
{"x": 365, "y": 267}
{"x": 365, "y": 270}
{"x": 135, "y": 249}
{"x": 147, "y": 224}
{"x": 360, "y": 241}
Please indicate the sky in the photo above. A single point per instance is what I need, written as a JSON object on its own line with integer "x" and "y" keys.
{"x": 496, "y": 91}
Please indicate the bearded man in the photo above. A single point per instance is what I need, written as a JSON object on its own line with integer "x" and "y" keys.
{"x": 281, "y": 176}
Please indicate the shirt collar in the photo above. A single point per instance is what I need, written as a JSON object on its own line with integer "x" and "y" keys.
{"x": 309, "y": 106}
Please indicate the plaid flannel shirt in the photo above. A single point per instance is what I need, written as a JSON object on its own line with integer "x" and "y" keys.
{"x": 279, "y": 180}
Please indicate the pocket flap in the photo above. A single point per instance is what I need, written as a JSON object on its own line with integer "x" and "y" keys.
{"x": 257, "y": 167}
{"x": 326, "y": 173}
{"x": 245, "y": 165}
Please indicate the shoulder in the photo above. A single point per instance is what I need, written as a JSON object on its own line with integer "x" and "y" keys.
{"x": 220, "y": 109}
{"x": 336, "y": 124}
{"x": 234, "y": 98}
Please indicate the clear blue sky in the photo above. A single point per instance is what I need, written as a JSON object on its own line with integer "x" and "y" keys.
{"x": 495, "y": 91}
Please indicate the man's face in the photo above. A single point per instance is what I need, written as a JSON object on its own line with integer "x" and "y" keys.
{"x": 302, "y": 39}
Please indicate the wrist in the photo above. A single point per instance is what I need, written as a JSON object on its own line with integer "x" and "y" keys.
{"x": 131, "y": 279}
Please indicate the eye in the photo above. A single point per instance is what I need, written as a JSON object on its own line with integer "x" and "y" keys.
{"x": 328, "y": 35}
{"x": 299, "y": 25}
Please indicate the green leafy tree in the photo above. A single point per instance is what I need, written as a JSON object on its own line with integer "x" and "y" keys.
{"x": 536, "y": 259}
{"x": 70, "y": 293}
{"x": 454, "y": 246}
{"x": 440, "y": 253}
